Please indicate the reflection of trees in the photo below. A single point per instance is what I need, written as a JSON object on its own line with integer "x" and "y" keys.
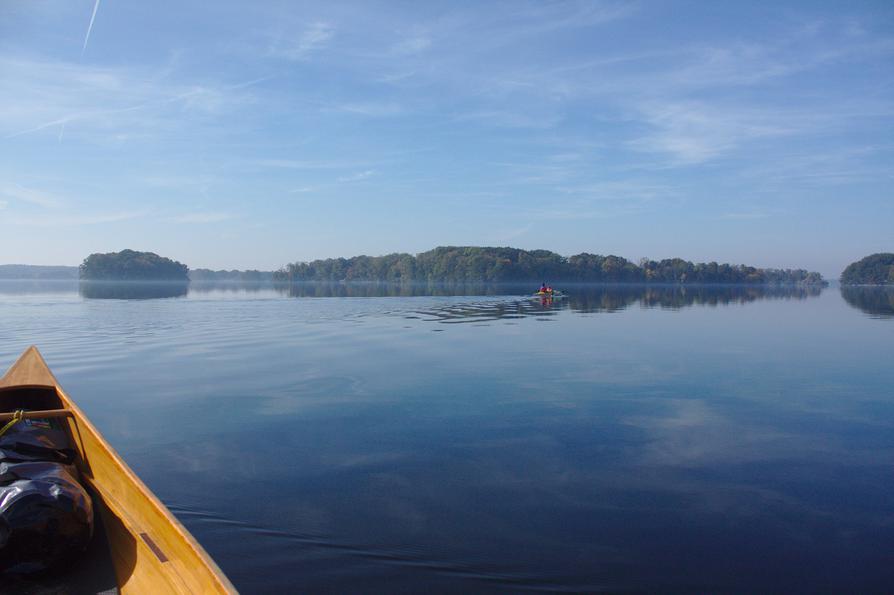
{"x": 609, "y": 298}
{"x": 877, "y": 301}
{"x": 134, "y": 290}
{"x": 409, "y": 289}
{"x": 228, "y": 286}
{"x": 26, "y": 286}
{"x": 581, "y": 297}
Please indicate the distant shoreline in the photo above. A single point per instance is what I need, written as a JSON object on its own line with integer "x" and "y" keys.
{"x": 33, "y": 271}
{"x": 531, "y": 283}
{"x": 490, "y": 264}
{"x": 24, "y": 272}
{"x": 444, "y": 264}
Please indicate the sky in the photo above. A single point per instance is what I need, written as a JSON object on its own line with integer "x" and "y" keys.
{"x": 253, "y": 134}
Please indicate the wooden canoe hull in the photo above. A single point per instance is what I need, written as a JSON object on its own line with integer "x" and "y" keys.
{"x": 150, "y": 550}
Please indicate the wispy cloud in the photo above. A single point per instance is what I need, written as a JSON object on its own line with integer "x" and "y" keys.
{"x": 306, "y": 163}
{"x": 358, "y": 176}
{"x": 315, "y": 37}
{"x": 507, "y": 235}
{"x": 75, "y": 220}
{"x": 167, "y": 180}
{"x": 821, "y": 168}
{"x": 743, "y": 64}
{"x": 565, "y": 157}
{"x": 203, "y": 217}
{"x": 621, "y": 190}
{"x": 310, "y": 40}
{"x": 581, "y": 209}
{"x": 371, "y": 109}
{"x": 694, "y": 132}
{"x": 687, "y": 97}
{"x": 396, "y": 77}
{"x": 541, "y": 18}
{"x": 46, "y": 94}
{"x": 30, "y": 195}
{"x": 511, "y": 119}
{"x": 412, "y": 45}
{"x": 745, "y": 216}
{"x": 683, "y": 69}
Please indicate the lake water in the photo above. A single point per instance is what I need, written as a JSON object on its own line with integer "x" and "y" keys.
{"x": 383, "y": 440}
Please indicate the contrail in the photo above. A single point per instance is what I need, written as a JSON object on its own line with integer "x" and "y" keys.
{"x": 90, "y": 27}
{"x": 39, "y": 127}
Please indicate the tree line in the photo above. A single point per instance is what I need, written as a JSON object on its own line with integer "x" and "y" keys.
{"x": 468, "y": 264}
{"x": 27, "y": 271}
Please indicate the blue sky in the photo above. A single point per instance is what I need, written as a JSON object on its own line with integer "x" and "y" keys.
{"x": 251, "y": 134}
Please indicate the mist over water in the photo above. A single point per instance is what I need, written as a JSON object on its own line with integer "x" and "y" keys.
{"x": 355, "y": 438}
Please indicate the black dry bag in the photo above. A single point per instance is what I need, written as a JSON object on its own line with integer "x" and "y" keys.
{"x": 46, "y": 516}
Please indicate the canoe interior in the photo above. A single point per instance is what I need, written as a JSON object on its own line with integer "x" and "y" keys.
{"x": 36, "y": 399}
{"x": 93, "y": 572}
{"x": 137, "y": 536}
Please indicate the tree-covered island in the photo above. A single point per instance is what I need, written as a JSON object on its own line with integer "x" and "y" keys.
{"x": 130, "y": 265}
{"x": 875, "y": 269}
{"x": 464, "y": 264}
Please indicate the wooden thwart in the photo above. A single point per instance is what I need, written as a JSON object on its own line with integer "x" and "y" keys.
{"x": 4, "y": 417}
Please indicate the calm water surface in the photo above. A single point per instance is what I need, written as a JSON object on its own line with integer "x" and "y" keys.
{"x": 624, "y": 439}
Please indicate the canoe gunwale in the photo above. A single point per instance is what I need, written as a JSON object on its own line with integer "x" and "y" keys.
{"x": 112, "y": 503}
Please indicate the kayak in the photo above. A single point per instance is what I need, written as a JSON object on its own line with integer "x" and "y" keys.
{"x": 137, "y": 545}
{"x": 545, "y": 295}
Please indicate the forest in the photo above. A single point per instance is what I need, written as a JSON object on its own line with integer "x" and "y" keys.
{"x": 463, "y": 264}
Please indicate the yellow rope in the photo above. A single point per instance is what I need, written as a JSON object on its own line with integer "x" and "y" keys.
{"x": 18, "y": 416}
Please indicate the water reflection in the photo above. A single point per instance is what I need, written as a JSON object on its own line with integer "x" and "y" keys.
{"x": 588, "y": 299}
{"x": 233, "y": 287}
{"x": 610, "y": 298}
{"x": 361, "y": 289}
{"x": 37, "y": 286}
{"x": 134, "y": 290}
{"x": 638, "y": 451}
{"x": 878, "y": 302}
{"x": 584, "y": 298}
{"x": 489, "y": 311}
